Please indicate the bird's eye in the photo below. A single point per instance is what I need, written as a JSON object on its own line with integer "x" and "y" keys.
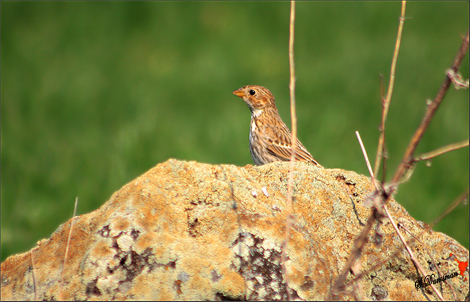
{"x": 252, "y": 92}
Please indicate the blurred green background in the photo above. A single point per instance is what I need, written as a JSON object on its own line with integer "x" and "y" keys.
{"x": 94, "y": 94}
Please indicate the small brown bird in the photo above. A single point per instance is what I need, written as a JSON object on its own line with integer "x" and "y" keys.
{"x": 270, "y": 139}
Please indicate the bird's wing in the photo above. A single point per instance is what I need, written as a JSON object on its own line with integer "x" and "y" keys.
{"x": 281, "y": 146}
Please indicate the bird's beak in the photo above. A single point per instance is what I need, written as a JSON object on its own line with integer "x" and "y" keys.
{"x": 239, "y": 93}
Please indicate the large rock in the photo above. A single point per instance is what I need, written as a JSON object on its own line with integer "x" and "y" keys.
{"x": 191, "y": 231}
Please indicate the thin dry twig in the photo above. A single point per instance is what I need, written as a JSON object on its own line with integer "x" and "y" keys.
{"x": 359, "y": 288}
{"x": 386, "y": 101}
{"x": 441, "y": 150}
{"x": 410, "y": 252}
{"x": 379, "y": 264}
{"x": 67, "y": 248}
{"x": 430, "y": 111}
{"x": 450, "y": 208}
{"x": 356, "y": 252}
{"x": 413, "y": 258}
{"x": 294, "y": 143}
{"x": 364, "y": 152}
{"x": 360, "y": 241}
{"x": 382, "y": 195}
{"x": 430, "y": 256}
{"x": 34, "y": 275}
{"x": 292, "y": 103}
{"x": 374, "y": 267}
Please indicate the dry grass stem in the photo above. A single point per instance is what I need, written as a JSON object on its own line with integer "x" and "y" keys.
{"x": 339, "y": 284}
{"x": 359, "y": 289}
{"x": 294, "y": 143}
{"x": 381, "y": 195}
{"x": 410, "y": 252}
{"x": 441, "y": 150}
{"x": 67, "y": 248}
{"x": 386, "y": 101}
{"x": 413, "y": 258}
{"x": 450, "y": 208}
{"x": 292, "y": 103}
{"x": 364, "y": 152}
{"x": 34, "y": 275}
{"x": 430, "y": 111}
{"x": 377, "y": 265}
{"x": 430, "y": 256}
{"x": 374, "y": 267}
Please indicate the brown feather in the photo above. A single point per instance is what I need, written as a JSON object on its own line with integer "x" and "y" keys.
{"x": 270, "y": 139}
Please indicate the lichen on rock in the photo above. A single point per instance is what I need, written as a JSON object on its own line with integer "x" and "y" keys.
{"x": 192, "y": 231}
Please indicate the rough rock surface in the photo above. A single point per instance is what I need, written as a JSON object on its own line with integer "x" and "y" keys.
{"x": 192, "y": 231}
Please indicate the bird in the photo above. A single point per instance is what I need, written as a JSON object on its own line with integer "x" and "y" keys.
{"x": 270, "y": 139}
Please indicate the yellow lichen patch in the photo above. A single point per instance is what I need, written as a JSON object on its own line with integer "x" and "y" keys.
{"x": 191, "y": 231}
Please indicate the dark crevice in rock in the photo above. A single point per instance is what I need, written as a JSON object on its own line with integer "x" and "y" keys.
{"x": 308, "y": 284}
{"x": 104, "y": 231}
{"x": 224, "y": 297}
{"x": 135, "y": 234}
{"x": 171, "y": 264}
{"x": 123, "y": 261}
{"x": 177, "y": 287}
{"x": 138, "y": 263}
{"x": 348, "y": 184}
{"x": 92, "y": 289}
{"x": 215, "y": 277}
{"x": 193, "y": 227}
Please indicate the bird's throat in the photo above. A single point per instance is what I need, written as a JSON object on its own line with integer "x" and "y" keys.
{"x": 255, "y": 113}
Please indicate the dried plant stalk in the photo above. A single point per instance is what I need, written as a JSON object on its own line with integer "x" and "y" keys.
{"x": 386, "y": 101}
{"x": 430, "y": 111}
{"x": 294, "y": 143}
{"x": 441, "y": 150}
{"x": 67, "y": 248}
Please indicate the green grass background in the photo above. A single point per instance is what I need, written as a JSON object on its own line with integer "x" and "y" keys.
{"x": 95, "y": 94}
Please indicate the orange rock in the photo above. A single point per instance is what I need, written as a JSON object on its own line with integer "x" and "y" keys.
{"x": 192, "y": 231}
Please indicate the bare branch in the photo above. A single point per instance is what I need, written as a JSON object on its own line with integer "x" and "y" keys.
{"x": 430, "y": 256}
{"x": 415, "y": 261}
{"x": 379, "y": 264}
{"x": 450, "y": 208}
{"x": 34, "y": 274}
{"x": 386, "y": 101}
{"x": 364, "y": 152}
{"x": 294, "y": 143}
{"x": 359, "y": 244}
{"x": 441, "y": 150}
{"x": 67, "y": 248}
{"x": 292, "y": 83}
{"x": 430, "y": 111}
{"x": 381, "y": 195}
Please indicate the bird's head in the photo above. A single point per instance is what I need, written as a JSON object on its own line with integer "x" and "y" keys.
{"x": 256, "y": 97}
